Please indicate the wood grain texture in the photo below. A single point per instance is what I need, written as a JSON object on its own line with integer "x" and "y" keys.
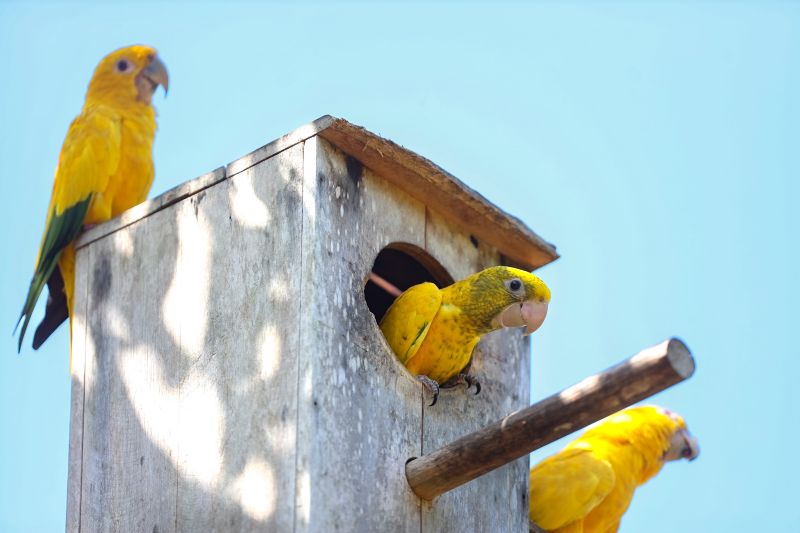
{"x": 191, "y": 398}
{"x": 501, "y": 362}
{"x": 521, "y": 432}
{"x": 129, "y": 477}
{"x": 77, "y": 394}
{"x": 238, "y": 309}
{"x": 358, "y": 409}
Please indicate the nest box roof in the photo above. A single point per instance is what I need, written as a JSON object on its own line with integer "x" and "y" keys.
{"x": 419, "y": 177}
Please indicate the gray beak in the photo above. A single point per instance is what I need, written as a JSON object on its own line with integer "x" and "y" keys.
{"x": 157, "y": 73}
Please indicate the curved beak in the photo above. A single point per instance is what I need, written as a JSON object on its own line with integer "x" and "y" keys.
{"x": 692, "y": 450}
{"x": 529, "y": 313}
{"x": 157, "y": 73}
{"x": 683, "y": 445}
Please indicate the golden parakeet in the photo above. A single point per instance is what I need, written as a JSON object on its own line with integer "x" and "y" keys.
{"x": 105, "y": 167}
{"x": 587, "y": 487}
{"x": 433, "y": 331}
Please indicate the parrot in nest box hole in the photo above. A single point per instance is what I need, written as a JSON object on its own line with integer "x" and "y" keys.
{"x": 433, "y": 331}
{"x": 105, "y": 167}
{"x": 587, "y": 487}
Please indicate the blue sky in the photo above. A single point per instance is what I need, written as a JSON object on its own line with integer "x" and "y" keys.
{"x": 656, "y": 145}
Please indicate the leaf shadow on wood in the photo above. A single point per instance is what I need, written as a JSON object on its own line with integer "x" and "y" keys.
{"x": 234, "y": 379}
{"x": 175, "y": 433}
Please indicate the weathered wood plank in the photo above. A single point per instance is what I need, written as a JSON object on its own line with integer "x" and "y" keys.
{"x": 203, "y": 396}
{"x": 78, "y": 386}
{"x": 237, "y": 302}
{"x": 357, "y": 404}
{"x": 502, "y": 364}
{"x": 129, "y": 476}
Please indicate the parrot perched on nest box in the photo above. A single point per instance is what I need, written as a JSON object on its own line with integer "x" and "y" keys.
{"x": 105, "y": 167}
{"x": 433, "y": 331}
{"x": 587, "y": 487}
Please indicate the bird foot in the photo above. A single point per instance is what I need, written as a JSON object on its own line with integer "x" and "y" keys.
{"x": 468, "y": 380}
{"x": 432, "y": 387}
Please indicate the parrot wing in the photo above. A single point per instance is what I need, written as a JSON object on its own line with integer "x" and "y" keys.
{"x": 89, "y": 156}
{"x": 407, "y": 321}
{"x": 567, "y": 486}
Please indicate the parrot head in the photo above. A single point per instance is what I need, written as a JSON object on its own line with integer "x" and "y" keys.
{"x": 128, "y": 75}
{"x": 658, "y": 434}
{"x": 654, "y": 428}
{"x": 682, "y": 444}
{"x": 506, "y": 297}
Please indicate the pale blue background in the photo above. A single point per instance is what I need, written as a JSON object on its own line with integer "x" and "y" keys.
{"x": 656, "y": 145}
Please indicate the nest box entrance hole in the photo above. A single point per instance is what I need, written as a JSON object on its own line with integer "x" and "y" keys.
{"x": 401, "y": 265}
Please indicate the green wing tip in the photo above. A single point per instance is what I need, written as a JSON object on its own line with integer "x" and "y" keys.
{"x": 61, "y": 230}
{"x": 22, "y": 332}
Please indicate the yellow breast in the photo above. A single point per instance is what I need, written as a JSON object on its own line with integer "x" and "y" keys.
{"x": 130, "y": 184}
{"x": 447, "y": 347}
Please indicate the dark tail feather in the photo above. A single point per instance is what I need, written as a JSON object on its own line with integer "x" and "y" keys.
{"x": 30, "y": 302}
{"x": 37, "y": 284}
{"x": 24, "y": 327}
{"x": 55, "y": 312}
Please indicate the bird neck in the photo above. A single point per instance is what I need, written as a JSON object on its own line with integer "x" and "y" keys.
{"x": 637, "y": 452}
{"x": 123, "y": 102}
{"x": 478, "y": 311}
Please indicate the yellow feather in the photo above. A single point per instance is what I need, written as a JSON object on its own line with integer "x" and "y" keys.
{"x": 448, "y": 345}
{"x": 407, "y": 321}
{"x": 589, "y": 485}
{"x": 568, "y": 485}
{"x": 434, "y": 331}
{"x": 106, "y": 160}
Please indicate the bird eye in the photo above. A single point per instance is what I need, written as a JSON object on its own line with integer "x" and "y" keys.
{"x": 123, "y": 65}
{"x": 514, "y": 285}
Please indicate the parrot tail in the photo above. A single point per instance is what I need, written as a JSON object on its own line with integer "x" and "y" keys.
{"x": 55, "y": 313}
{"x": 35, "y": 289}
{"x": 60, "y": 232}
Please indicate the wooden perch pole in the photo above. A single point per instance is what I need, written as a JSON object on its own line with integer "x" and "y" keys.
{"x": 646, "y": 373}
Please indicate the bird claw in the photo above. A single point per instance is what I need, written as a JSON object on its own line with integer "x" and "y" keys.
{"x": 432, "y": 387}
{"x": 469, "y": 381}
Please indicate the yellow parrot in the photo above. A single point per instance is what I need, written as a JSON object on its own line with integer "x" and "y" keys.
{"x": 433, "y": 331}
{"x": 587, "y": 486}
{"x": 105, "y": 167}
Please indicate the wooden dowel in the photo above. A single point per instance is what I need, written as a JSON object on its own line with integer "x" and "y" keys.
{"x": 385, "y": 285}
{"x": 646, "y": 373}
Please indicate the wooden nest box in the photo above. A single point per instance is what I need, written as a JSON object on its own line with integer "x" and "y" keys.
{"x": 228, "y": 370}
